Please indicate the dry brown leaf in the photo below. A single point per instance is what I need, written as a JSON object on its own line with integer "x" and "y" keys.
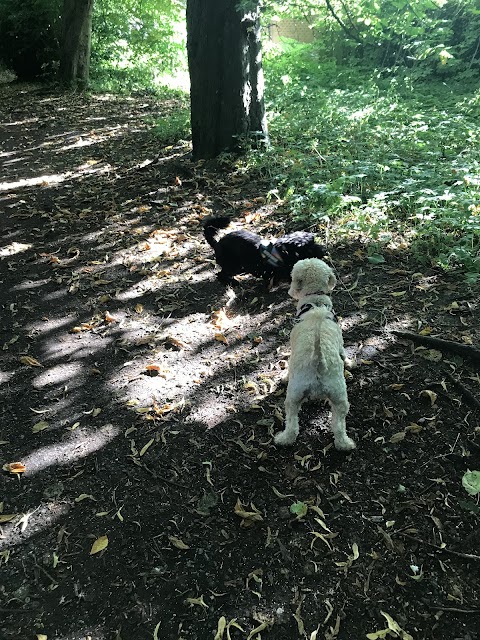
{"x": 14, "y": 467}
{"x": 31, "y": 362}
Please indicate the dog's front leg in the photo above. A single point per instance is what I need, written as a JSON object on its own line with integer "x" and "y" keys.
{"x": 293, "y": 402}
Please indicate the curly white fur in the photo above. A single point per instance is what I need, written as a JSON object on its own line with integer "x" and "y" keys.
{"x": 316, "y": 367}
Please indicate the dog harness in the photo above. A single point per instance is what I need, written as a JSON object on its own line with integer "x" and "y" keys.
{"x": 270, "y": 253}
{"x": 309, "y": 305}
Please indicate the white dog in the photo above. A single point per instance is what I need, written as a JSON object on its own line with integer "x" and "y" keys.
{"x": 316, "y": 366}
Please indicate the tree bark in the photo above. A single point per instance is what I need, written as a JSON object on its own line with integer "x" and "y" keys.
{"x": 226, "y": 77}
{"x": 76, "y": 43}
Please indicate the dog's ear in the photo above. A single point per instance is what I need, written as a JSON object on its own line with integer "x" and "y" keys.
{"x": 332, "y": 281}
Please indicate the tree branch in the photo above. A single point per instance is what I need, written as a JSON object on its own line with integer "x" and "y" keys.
{"x": 443, "y": 345}
{"x": 349, "y": 33}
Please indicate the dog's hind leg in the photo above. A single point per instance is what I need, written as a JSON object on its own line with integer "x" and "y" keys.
{"x": 293, "y": 402}
{"x": 340, "y": 408}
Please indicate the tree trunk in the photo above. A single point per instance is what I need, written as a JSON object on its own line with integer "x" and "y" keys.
{"x": 226, "y": 77}
{"x": 76, "y": 42}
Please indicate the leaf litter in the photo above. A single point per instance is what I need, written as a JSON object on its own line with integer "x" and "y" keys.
{"x": 120, "y": 329}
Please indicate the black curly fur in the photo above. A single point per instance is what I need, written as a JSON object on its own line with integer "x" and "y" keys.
{"x": 239, "y": 251}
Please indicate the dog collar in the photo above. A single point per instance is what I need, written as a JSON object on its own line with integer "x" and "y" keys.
{"x": 270, "y": 253}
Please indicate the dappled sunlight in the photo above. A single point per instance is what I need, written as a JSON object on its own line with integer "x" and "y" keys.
{"x": 14, "y": 248}
{"x": 32, "y": 523}
{"x": 6, "y": 376}
{"x": 49, "y": 180}
{"x": 159, "y": 389}
{"x": 48, "y": 325}
{"x": 82, "y": 443}
{"x": 58, "y": 374}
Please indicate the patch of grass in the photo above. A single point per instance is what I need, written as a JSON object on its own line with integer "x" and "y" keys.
{"x": 381, "y": 157}
{"x": 174, "y": 125}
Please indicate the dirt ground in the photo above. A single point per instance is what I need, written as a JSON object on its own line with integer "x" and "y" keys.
{"x": 142, "y": 398}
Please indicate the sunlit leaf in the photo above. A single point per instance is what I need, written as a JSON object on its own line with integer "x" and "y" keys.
{"x": 99, "y": 545}
{"x": 14, "y": 467}
{"x": 221, "y": 626}
{"x": 31, "y": 362}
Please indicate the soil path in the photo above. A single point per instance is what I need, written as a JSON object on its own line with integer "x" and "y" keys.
{"x": 142, "y": 400}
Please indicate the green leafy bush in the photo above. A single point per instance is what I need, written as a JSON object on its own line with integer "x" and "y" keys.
{"x": 386, "y": 159}
{"x": 29, "y": 36}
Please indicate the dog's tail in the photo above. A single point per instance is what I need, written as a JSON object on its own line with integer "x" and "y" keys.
{"x": 211, "y": 227}
{"x": 318, "y": 316}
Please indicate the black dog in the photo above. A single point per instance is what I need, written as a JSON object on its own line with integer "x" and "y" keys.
{"x": 246, "y": 252}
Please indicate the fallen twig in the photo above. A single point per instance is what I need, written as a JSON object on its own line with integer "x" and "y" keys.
{"x": 467, "y": 556}
{"x": 466, "y": 393}
{"x": 443, "y": 345}
{"x": 453, "y": 609}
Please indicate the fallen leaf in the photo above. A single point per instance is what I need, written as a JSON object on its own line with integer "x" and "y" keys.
{"x": 99, "y": 545}
{"x": 109, "y": 318}
{"x": 471, "y": 482}
{"x": 248, "y": 516}
{"x": 14, "y": 467}
{"x": 145, "y": 447}
{"x": 221, "y": 626}
{"x": 179, "y": 544}
{"x": 31, "y": 362}
{"x": 197, "y": 601}
{"x": 431, "y": 354}
{"x": 426, "y": 393}
{"x": 7, "y": 517}
{"x": 84, "y": 496}
{"x": 39, "y": 426}
{"x": 299, "y": 509}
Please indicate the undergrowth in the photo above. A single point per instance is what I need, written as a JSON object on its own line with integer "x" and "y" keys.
{"x": 391, "y": 159}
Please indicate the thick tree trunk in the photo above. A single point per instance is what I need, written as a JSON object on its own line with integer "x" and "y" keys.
{"x": 225, "y": 64}
{"x": 76, "y": 42}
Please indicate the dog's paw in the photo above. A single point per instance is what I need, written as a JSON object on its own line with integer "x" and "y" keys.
{"x": 284, "y": 438}
{"x": 345, "y": 444}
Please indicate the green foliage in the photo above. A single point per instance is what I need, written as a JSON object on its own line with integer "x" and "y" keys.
{"x": 175, "y": 125}
{"x": 136, "y": 43}
{"x": 29, "y": 36}
{"x": 429, "y": 36}
{"x": 393, "y": 160}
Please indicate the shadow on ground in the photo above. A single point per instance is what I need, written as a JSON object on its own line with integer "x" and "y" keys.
{"x": 142, "y": 399}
